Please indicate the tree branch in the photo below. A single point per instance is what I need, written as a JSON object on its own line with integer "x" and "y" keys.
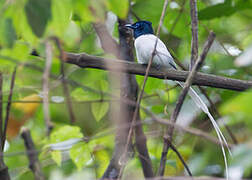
{"x": 4, "y": 174}
{"x": 33, "y": 157}
{"x": 109, "y": 45}
{"x": 64, "y": 82}
{"x": 181, "y": 158}
{"x": 194, "y": 26}
{"x": 201, "y": 79}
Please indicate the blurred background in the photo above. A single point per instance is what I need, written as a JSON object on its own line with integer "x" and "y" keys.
{"x": 26, "y": 25}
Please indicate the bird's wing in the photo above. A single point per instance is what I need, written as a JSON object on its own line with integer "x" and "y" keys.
{"x": 164, "y": 55}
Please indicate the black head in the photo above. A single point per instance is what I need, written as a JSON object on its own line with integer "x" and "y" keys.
{"x": 141, "y": 28}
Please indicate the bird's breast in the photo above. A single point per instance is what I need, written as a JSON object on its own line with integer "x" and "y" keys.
{"x": 145, "y": 45}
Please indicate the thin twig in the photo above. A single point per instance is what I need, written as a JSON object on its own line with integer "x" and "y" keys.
{"x": 180, "y": 158}
{"x": 46, "y": 88}
{"x": 192, "y": 131}
{"x": 63, "y": 80}
{"x": 33, "y": 157}
{"x": 8, "y": 107}
{"x": 145, "y": 80}
{"x": 194, "y": 26}
{"x": 169, "y": 132}
{"x": 135, "y": 15}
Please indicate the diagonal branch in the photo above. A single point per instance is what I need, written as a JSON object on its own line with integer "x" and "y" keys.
{"x": 191, "y": 75}
{"x": 180, "y": 158}
{"x": 109, "y": 45}
{"x": 169, "y": 132}
{"x": 8, "y": 107}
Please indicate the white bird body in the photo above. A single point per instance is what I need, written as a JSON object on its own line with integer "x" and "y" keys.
{"x": 145, "y": 45}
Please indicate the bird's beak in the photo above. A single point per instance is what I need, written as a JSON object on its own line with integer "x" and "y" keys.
{"x": 129, "y": 26}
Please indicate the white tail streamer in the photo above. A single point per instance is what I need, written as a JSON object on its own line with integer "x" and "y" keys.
{"x": 200, "y": 103}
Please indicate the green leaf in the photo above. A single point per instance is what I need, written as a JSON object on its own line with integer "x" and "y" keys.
{"x": 120, "y": 8}
{"x": 101, "y": 86}
{"x": 64, "y": 133}
{"x": 218, "y": 10}
{"x": 72, "y": 34}
{"x": 17, "y": 13}
{"x": 80, "y": 155}
{"x": 61, "y": 17}
{"x": 7, "y": 33}
{"x": 99, "y": 110}
{"x": 223, "y": 9}
{"x": 56, "y": 156}
{"x": 38, "y": 14}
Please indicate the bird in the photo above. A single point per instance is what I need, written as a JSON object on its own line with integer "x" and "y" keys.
{"x": 145, "y": 42}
